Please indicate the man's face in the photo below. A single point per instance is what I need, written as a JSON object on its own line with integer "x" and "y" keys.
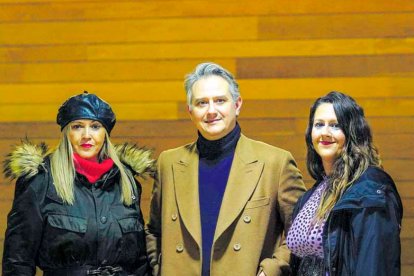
{"x": 213, "y": 110}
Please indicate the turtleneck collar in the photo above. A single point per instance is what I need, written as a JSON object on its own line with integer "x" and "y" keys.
{"x": 90, "y": 169}
{"x": 217, "y": 149}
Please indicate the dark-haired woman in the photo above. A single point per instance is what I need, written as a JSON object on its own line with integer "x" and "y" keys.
{"x": 76, "y": 210}
{"x": 349, "y": 222}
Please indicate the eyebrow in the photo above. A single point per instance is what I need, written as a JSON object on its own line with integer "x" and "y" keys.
{"x": 322, "y": 120}
{"x": 80, "y": 122}
{"x": 215, "y": 97}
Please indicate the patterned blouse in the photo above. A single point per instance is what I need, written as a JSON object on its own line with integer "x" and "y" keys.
{"x": 305, "y": 235}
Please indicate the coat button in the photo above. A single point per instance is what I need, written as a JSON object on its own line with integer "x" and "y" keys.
{"x": 247, "y": 219}
{"x": 179, "y": 248}
{"x": 379, "y": 192}
{"x": 104, "y": 219}
{"x": 237, "y": 246}
{"x": 174, "y": 217}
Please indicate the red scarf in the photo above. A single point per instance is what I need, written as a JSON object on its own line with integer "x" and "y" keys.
{"x": 90, "y": 169}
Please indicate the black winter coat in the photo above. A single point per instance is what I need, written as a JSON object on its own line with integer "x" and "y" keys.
{"x": 98, "y": 230}
{"x": 362, "y": 233}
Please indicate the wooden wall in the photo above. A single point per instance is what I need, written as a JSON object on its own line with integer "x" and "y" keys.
{"x": 284, "y": 53}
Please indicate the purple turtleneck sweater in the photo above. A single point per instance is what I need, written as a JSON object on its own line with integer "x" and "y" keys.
{"x": 215, "y": 162}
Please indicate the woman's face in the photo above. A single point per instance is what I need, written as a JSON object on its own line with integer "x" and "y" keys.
{"x": 328, "y": 139}
{"x": 87, "y": 138}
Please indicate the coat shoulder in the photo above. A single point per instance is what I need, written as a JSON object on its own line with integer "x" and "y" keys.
{"x": 138, "y": 159}
{"x": 25, "y": 160}
{"x": 377, "y": 175}
{"x": 266, "y": 150}
{"x": 179, "y": 152}
{"x": 373, "y": 179}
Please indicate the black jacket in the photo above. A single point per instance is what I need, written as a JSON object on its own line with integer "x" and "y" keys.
{"x": 362, "y": 233}
{"x": 98, "y": 230}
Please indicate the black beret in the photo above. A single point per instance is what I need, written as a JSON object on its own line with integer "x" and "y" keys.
{"x": 86, "y": 106}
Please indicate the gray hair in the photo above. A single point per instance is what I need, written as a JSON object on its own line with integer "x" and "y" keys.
{"x": 210, "y": 69}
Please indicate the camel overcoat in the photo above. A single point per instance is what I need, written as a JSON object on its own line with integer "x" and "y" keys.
{"x": 263, "y": 187}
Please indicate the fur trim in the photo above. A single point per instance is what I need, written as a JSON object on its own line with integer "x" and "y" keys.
{"x": 138, "y": 159}
{"x": 25, "y": 160}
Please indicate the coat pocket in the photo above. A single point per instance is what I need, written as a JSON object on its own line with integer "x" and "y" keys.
{"x": 131, "y": 246}
{"x": 69, "y": 223}
{"x": 130, "y": 224}
{"x": 257, "y": 202}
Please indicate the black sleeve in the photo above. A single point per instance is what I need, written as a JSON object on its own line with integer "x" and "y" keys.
{"x": 24, "y": 230}
{"x": 143, "y": 267}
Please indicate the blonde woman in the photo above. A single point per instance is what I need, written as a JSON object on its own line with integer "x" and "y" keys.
{"x": 76, "y": 210}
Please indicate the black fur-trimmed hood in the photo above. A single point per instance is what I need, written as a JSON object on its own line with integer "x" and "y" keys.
{"x": 28, "y": 158}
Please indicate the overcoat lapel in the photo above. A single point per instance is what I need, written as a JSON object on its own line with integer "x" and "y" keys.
{"x": 244, "y": 175}
{"x": 185, "y": 172}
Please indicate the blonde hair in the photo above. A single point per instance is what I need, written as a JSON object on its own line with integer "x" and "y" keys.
{"x": 63, "y": 170}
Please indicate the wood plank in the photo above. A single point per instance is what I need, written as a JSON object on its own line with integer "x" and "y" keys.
{"x": 395, "y": 169}
{"x": 254, "y": 109}
{"x": 407, "y": 270}
{"x": 337, "y": 25}
{"x": 57, "y": 93}
{"x": 122, "y": 129}
{"x": 125, "y": 31}
{"x": 125, "y": 111}
{"x": 389, "y": 107}
{"x": 150, "y": 129}
{"x": 226, "y": 49}
{"x": 407, "y": 251}
{"x": 252, "y": 49}
{"x": 58, "y": 1}
{"x": 43, "y": 53}
{"x": 407, "y": 229}
{"x": 406, "y": 189}
{"x": 220, "y": 29}
{"x": 391, "y": 125}
{"x": 185, "y": 128}
{"x": 401, "y": 146}
{"x": 6, "y": 193}
{"x": 408, "y": 204}
{"x": 313, "y": 88}
{"x": 332, "y": 66}
{"x": 99, "y": 71}
{"x": 91, "y": 10}
{"x": 251, "y": 89}
{"x": 5, "y": 207}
